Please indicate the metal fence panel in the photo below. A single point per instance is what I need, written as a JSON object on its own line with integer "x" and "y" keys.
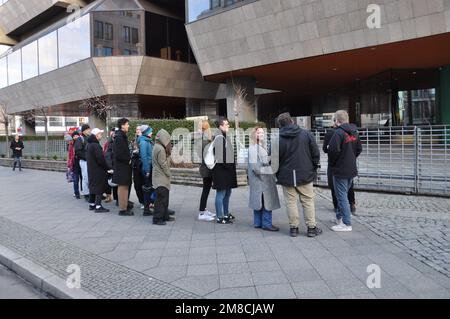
{"x": 412, "y": 160}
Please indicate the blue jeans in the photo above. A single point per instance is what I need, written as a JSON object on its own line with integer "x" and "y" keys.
{"x": 341, "y": 187}
{"x": 76, "y": 182}
{"x": 223, "y": 202}
{"x": 262, "y": 218}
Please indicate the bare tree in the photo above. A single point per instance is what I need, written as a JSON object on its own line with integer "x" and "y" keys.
{"x": 5, "y": 119}
{"x": 30, "y": 117}
{"x": 99, "y": 106}
{"x": 240, "y": 100}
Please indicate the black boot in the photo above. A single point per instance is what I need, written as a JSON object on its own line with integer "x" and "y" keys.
{"x": 101, "y": 210}
{"x": 126, "y": 213}
{"x": 147, "y": 211}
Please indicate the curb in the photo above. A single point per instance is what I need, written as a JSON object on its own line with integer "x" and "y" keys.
{"x": 42, "y": 279}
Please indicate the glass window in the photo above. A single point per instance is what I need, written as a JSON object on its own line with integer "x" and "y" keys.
{"x": 4, "y": 48}
{"x": 30, "y": 61}
{"x": 55, "y": 121}
{"x": 109, "y": 33}
{"x": 98, "y": 29}
{"x": 122, "y": 33}
{"x": 48, "y": 54}
{"x": 126, "y": 34}
{"x": 196, "y": 8}
{"x": 71, "y": 121}
{"x": 3, "y": 73}
{"x": 74, "y": 42}
{"x": 15, "y": 67}
{"x": 134, "y": 35}
{"x": 107, "y": 51}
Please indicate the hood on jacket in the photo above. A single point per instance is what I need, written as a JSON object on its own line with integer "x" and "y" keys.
{"x": 350, "y": 129}
{"x": 163, "y": 137}
{"x": 143, "y": 138}
{"x": 290, "y": 131}
{"x": 92, "y": 139}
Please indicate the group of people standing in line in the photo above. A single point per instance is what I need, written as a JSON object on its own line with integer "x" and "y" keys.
{"x": 108, "y": 173}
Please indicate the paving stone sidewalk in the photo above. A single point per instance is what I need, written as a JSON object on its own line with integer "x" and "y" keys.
{"x": 419, "y": 224}
{"x": 198, "y": 259}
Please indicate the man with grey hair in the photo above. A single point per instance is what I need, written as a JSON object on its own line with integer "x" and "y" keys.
{"x": 299, "y": 159}
{"x": 344, "y": 148}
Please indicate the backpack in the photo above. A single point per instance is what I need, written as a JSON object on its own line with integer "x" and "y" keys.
{"x": 210, "y": 158}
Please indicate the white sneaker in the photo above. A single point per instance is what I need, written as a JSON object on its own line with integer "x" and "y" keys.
{"x": 205, "y": 217}
{"x": 342, "y": 228}
{"x": 208, "y": 213}
{"x": 142, "y": 206}
{"x": 336, "y": 221}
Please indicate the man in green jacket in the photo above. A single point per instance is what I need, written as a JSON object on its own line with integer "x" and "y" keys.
{"x": 161, "y": 177}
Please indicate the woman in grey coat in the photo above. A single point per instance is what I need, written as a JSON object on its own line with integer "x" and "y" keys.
{"x": 263, "y": 189}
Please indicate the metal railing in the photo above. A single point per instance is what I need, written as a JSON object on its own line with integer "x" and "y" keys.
{"x": 37, "y": 148}
{"x": 412, "y": 160}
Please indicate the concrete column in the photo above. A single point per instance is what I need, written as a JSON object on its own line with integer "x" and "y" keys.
{"x": 444, "y": 98}
{"x": 95, "y": 122}
{"x": 29, "y": 129}
{"x": 246, "y": 102}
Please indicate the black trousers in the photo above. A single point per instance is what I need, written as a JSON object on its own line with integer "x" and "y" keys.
{"x": 138, "y": 181}
{"x": 95, "y": 199}
{"x": 161, "y": 205}
{"x": 207, "y": 184}
{"x": 351, "y": 192}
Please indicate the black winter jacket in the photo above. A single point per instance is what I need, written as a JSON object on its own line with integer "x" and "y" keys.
{"x": 299, "y": 157}
{"x": 80, "y": 147}
{"x": 121, "y": 158}
{"x": 344, "y": 148}
{"x": 224, "y": 174}
{"x": 14, "y": 145}
{"x": 97, "y": 168}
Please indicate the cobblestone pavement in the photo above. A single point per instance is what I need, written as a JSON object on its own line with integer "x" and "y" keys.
{"x": 417, "y": 223}
{"x": 13, "y": 287}
{"x": 40, "y": 219}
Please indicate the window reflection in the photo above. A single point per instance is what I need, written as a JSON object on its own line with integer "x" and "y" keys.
{"x": 201, "y": 8}
{"x": 48, "y": 55}
{"x": 15, "y": 67}
{"x": 30, "y": 60}
{"x": 118, "y": 33}
{"x": 3, "y": 73}
{"x": 74, "y": 42}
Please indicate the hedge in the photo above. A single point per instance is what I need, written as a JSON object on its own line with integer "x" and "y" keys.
{"x": 171, "y": 125}
{"x": 36, "y": 138}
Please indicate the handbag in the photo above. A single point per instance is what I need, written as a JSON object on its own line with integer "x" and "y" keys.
{"x": 69, "y": 175}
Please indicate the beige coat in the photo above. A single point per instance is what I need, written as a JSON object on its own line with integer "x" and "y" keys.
{"x": 161, "y": 162}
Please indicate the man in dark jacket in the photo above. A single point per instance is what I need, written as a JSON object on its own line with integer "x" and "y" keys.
{"x": 345, "y": 146}
{"x": 299, "y": 159}
{"x": 122, "y": 166}
{"x": 351, "y": 192}
{"x": 80, "y": 154}
{"x": 109, "y": 159}
{"x": 97, "y": 170}
{"x": 17, "y": 147}
{"x": 224, "y": 172}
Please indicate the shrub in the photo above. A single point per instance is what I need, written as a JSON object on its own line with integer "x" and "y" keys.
{"x": 55, "y": 157}
{"x": 171, "y": 125}
{"x": 32, "y": 157}
{"x": 3, "y": 155}
{"x": 38, "y": 157}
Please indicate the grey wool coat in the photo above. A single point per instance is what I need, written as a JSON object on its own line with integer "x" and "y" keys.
{"x": 261, "y": 180}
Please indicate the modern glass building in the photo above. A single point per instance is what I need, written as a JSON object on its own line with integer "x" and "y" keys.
{"x": 136, "y": 53}
{"x": 174, "y": 58}
{"x": 325, "y": 55}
